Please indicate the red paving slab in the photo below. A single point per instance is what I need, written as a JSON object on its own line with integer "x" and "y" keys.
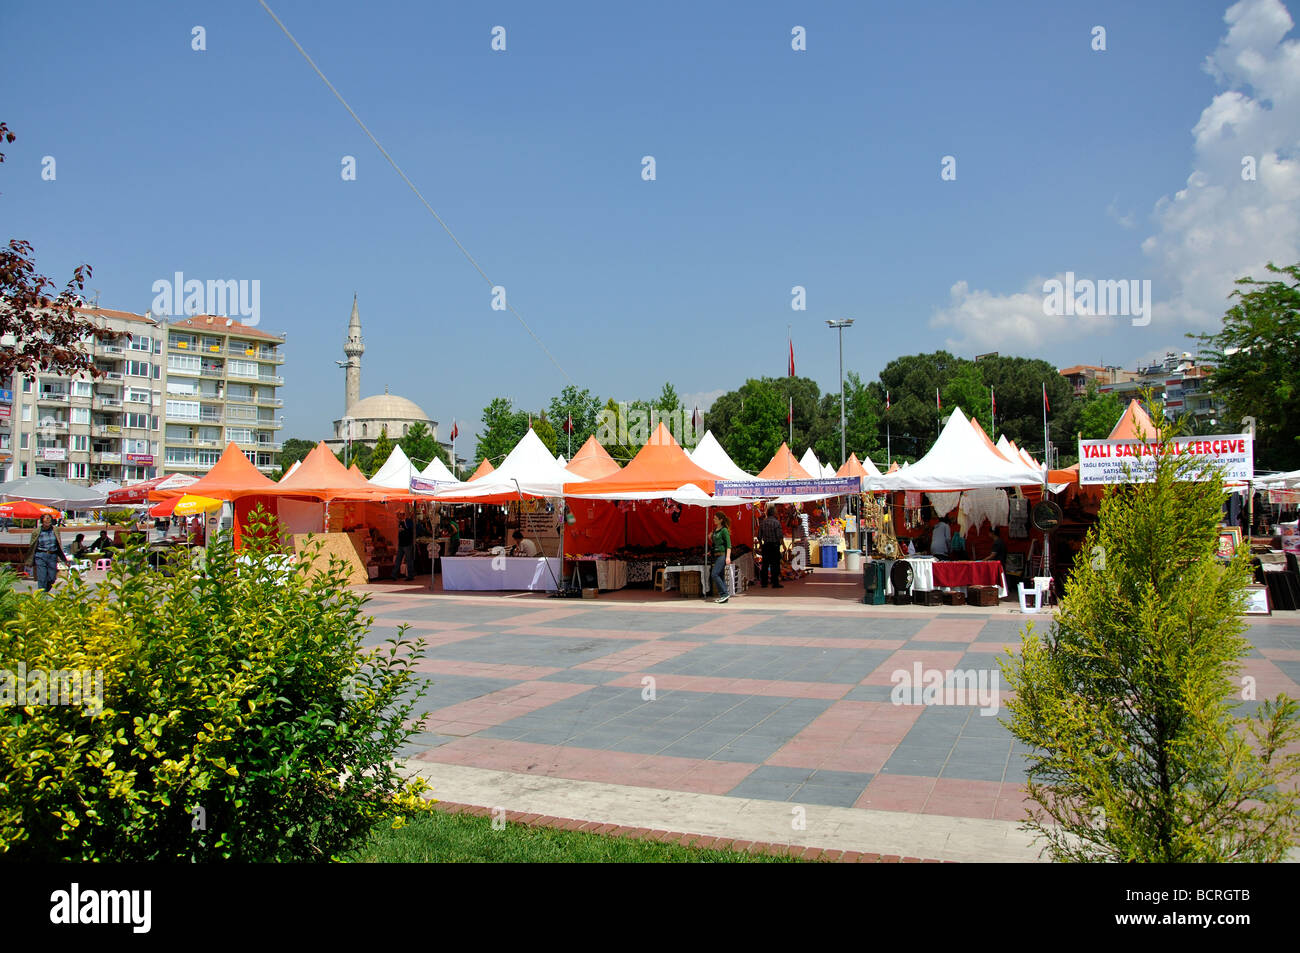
{"x": 725, "y": 624}
{"x": 950, "y": 630}
{"x": 1269, "y": 679}
{"x": 1281, "y": 655}
{"x": 484, "y": 669}
{"x": 567, "y": 633}
{"x": 848, "y": 736}
{"x": 501, "y": 706}
{"x": 736, "y": 686}
{"x": 640, "y": 657}
{"x": 797, "y": 641}
{"x": 993, "y": 647}
{"x": 904, "y": 659}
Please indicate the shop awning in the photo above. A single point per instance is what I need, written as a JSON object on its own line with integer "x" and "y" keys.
{"x": 139, "y": 492}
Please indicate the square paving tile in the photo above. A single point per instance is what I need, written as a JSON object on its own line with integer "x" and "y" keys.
{"x": 776, "y": 663}
{"x": 551, "y": 652}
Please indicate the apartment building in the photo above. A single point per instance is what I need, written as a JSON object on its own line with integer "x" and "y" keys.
{"x": 171, "y": 397}
{"x": 221, "y": 383}
{"x": 1177, "y": 382}
{"x": 84, "y": 430}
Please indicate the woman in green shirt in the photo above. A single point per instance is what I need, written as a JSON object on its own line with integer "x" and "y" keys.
{"x": 721, "y": 556}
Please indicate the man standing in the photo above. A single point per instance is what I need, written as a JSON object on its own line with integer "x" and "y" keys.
{"x": 405, "y": 548}
{"x": 940, "y": 539}
{"x": 770, "y": 536}
{"x": 44, "y": 553}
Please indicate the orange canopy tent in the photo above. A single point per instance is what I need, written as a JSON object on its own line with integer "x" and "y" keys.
{"x": 356, "y": 470}
{"x": 592, "y": 461}
{"x": 232, "y": 477}
{"x": 1135, "y": 424}
{"x": 852, "y": 467}
{"x": 661, "y": 466}
{"x": 323, "y": 477}
{"x": 483, "y": 469}
{"x": 783, "y": 466}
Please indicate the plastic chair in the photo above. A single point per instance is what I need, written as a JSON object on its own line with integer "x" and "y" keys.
{"x": 1045, "y": 587}
{"x": 661, "y": 580}
{"x": 81, "y": 565}
{"x": 1031, "y": 597}
{"x": 103, "y": 564}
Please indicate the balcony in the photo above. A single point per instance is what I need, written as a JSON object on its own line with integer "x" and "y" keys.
{"x": 106, "y": 458}
{"x": 184, "y": 347}
{"x": 240, "y": 399}
{"x": 273, "y": 381}
{"x": 267, "y": 423}
{"x": 114, "y": 380}
{"x": 138, "y": 399}
{"x": 181, "y": 372}
{"x": 52, "y": 397}
{"x": 208, "y": 416}
{"x": 106, "y": 430}
{"x": 274, "y": 357}
{"x": 111, "y": 349}
{"x": 212, "y": 372}
{"x": 271, "y": 401}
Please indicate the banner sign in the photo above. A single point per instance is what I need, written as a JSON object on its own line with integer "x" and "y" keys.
{"x": 139, "y": 458}
{"x": 1106, "y": 461}
{"x": 6, "y": 396}
{"x": 421, "y": 485}
{"x": 828, "y": 486}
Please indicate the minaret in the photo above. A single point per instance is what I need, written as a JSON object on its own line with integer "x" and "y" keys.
{"x": 353, "y": 348}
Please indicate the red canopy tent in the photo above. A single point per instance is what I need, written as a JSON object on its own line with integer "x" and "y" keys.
{"x": 139, "y": 492}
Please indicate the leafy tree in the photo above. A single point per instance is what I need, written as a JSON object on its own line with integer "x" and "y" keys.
{"x": 582, "y": 406}
{"x": 910, "y": 382}
{"x": 360, "y": 454}
{"x": 1099, "y": 413}
{"x": 382, "y": 451}
{"x": 545, "y": 432}
{"x": 1257, "y": 364}
{"x": 48, "y": 331}
{"x": 966, "y": 389}
{"x": 1128, "y": 702}
{"x": 294, "y": 449}
{"x": 757, "y": 430}
{"x": 501, "y": 431}
{"x": 420, "y": 446}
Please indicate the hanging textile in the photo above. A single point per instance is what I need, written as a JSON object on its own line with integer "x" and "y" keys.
{"x": 943, "y": 503}
{"x": 1018, "y": 518}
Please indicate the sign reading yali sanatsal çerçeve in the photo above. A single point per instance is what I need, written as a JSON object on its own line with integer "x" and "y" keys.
{"x": 1131, "y": 461}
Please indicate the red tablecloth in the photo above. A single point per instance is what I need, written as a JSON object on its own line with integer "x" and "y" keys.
{"x": 957, "y": 573}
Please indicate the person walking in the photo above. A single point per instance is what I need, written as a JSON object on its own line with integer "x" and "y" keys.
{"x": 770, "y": 536}
{"x": 405, "y": 548}
{"x": 721, "y": 556}
{"x": 44, "y": 552}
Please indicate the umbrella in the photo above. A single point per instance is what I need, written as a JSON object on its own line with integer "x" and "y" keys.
{"x": 186, "y": 506}
{"x": 26, "y": 510}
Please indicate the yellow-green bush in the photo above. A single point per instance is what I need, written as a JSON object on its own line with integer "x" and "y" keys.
{"x": 242, "y": 719}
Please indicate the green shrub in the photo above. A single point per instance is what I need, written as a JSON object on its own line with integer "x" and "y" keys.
{"x": 241, "y": 717}
{"x": 119, "y": 517}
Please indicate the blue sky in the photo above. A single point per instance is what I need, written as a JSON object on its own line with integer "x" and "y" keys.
{"x": 775, "y": 168}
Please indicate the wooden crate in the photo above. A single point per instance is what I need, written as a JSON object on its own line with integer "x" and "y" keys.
{"x": 928, "y": 597}
{"x": 954, "y": 597}
{"x": 982, "y": 595}
{"x": 690, "y": 583}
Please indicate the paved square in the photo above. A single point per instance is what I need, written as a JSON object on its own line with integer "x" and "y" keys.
{"x": 785, "y": 705}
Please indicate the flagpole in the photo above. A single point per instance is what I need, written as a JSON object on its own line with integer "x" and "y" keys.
{"x": 789, "y": 418}
{"x": 888, "y": 435}
{"x": 1047, "y": 456}
{"x": 993, "y": 414}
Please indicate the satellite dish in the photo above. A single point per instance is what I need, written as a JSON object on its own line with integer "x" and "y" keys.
{"x": 1046, "y": 516}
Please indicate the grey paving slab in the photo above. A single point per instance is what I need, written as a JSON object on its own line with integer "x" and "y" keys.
{"x": 980, "y": 769}
{"x": 765, "y": 790}
{"x": 779, "y": 663}
{"x": 830, "y": 795}
{"x": 584, "y": 676}
{"x": 445, "y": 690}
{"x": 630, "y": 621}
{"x": 869, "y": 693}
{"x": 776, "y": 773}
{"x": 454, "y": 612}
{"x": 546, "y": 651}
{"x": 1290, "y": 669}
{"x": 829, "y": 627}
{"x": 840, "y": 778}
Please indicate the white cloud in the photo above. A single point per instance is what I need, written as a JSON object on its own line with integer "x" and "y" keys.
{"x": 1215, "y": 229}
{"x": 703, "y": 400}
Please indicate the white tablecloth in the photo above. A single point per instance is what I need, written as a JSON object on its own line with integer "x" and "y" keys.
{"x": 518, "y": 572}
{"x": 923, "y": 576}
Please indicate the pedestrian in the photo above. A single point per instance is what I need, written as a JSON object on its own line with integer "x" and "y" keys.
{"x": 44, "y": 552}
{"x": 941, "y": 538}
{"x": 405, "y": 548}
{"x": 770, "y": 536}
{"x": 721, "y": 556}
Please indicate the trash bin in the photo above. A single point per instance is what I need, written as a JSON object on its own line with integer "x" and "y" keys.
{"x": 853, "y": 559}
{"x": 830, "y": 556}
{"x": 873, "y": 582}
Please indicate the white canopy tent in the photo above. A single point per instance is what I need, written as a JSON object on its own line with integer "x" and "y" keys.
{"x": 529, "y": 469}
{"x": 959, "y": 460}
{"x": 396, "y": 472}
{"x": 437, "y": 472}
{"x": 1280, "y": 481}
{"x": 709, "y": 455}
{"x": 828, "y": 470}
{"x": 810, "y": 463}
{"x": 290, "y": 471}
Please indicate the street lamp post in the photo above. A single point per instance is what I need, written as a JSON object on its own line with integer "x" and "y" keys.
{"x": 840, "y": 326}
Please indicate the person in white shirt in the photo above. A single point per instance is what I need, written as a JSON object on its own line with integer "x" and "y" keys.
{"x": 523, "y": 547}
{"x": 940, "y": 538}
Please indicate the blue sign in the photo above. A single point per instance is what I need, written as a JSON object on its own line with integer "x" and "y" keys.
{"x": 6, "y": 396}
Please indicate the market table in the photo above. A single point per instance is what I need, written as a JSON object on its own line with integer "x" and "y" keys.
{"x": 610, "y": 573}
{"x": 480, "y": 573}
{"x": 929, "y": 573}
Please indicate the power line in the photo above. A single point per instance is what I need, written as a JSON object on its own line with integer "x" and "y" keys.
{"x": 411, "y": 185}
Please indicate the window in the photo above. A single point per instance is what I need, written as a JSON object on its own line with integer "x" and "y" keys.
{"x": 76, "y": 471}
{"x": 242, "y": 368}
{"x": 181, "y": 363}
{"x": 27, "y": 413}
{"x": 23, "y": 468}
{"x": 81, "y": 443}
{"x": 81, "y": 415}
{"x": 27, "y": 385}
{"x": 130, "y": 445}
{"x": 182, "y": 386}
{"x": 239, "y": 434}
{"x": 264, "y": 460}
{"x": 153, "y": 421}
{"x": 137, "y": 421}
{"x": 139, "y": 369}
{"x": 179, "y": 455}
{"x": 81, "y": 389}
{"x": 363, "y": 430}
{"x": 138, "y": 396}
{"x": 183, "y": 409}
{"x": 141, "y": 342}
{"x": 207, "y": 458}
{"x": 23, "y": 441}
